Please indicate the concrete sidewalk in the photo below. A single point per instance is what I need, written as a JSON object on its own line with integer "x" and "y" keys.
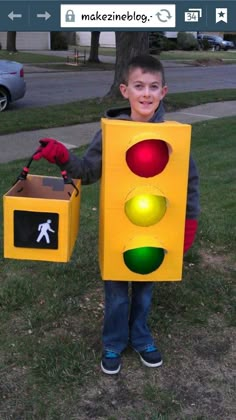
{"x": 22, "y": 145}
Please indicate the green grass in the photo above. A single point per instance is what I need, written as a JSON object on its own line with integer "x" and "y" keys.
{"x": 51, "y": 315}
{"x": 102, "y": 50}
{"x": 198, "y": 55}
{"x": 93, "y": 109}
{"x": 78, "y": 68}
{"x": 30, "y": 57}
{"x": 176, "y": 55}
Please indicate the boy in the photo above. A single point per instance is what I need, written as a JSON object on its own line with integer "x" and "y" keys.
{"x": 125, "y": 318}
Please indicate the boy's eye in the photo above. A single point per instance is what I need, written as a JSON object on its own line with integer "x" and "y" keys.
{"x": 140, "y": 86}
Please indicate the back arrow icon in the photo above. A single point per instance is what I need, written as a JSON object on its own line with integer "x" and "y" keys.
{"x": 45, "y": 15}
{"x": 13, "y": 15}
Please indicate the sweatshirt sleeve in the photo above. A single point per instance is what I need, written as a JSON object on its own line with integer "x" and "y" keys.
{"x": 193, "y": 206}
{"x": 88, "y": 168}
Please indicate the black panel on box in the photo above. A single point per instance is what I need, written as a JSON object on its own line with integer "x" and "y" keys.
{"x": 36, "y": 229}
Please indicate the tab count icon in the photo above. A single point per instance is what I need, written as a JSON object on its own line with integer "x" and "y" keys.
{"x": 192, "y": 15}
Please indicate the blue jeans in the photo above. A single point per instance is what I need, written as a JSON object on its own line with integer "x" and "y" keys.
{"x": 125, "y": 318}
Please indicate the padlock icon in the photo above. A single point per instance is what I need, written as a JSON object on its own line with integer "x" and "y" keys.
{"x": 70, "y": 16}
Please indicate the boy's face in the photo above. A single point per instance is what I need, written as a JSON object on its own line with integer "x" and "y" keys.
{"x": 144, "y": 92}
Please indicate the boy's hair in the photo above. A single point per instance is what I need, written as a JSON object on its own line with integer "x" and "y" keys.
{"x": 147, "y": 63}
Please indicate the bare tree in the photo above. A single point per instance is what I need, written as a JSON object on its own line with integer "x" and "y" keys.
{"x": 11, "y": 41}
{"x": 94, "y": 47}
{"x": 128, "y": 44}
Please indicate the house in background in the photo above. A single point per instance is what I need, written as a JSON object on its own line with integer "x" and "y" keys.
{"x": 28, "y": 40}
{"x": 42, "y": 40}
{"x": 106, "y": 39}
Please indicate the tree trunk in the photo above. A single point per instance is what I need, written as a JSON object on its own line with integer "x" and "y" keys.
{"x": 94, "y": 47}
{"x": 128, "y": 44}
{"x": 11, "y": 41}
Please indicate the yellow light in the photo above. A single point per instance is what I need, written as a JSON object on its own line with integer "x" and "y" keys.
{"x": 145, "y": 209}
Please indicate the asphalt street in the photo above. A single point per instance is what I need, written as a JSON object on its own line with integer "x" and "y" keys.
{"x": 49, "y": 87}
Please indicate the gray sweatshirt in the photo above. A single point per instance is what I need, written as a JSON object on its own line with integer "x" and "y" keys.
{"x": 89, "y": 167}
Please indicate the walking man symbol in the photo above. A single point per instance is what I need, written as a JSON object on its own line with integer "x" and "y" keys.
{"x": 44, "y": 228}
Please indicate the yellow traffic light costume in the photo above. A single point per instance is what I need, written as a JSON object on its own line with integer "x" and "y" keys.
{"x": 143, "y": 200}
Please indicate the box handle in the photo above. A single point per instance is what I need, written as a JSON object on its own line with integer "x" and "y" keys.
{"x": 23, "y": 176}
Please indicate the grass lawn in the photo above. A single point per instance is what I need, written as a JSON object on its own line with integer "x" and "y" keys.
{"x": 30, "y": 57}
{"x": 35, "y": 58}
{"x": 90, "y": 110}
{"x": 51, "y": 316}
{"x": 198, "y": 55}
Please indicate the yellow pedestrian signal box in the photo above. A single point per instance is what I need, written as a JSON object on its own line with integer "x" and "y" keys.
{"x": 41, "y": 219}
{"x": 143, "y": 200}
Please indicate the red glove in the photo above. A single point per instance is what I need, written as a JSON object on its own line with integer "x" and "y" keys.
{"x": 190, "y": 232}
{"x": 52, "y": 150}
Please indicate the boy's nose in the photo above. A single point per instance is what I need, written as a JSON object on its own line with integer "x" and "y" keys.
{"x": 146, "y": 91}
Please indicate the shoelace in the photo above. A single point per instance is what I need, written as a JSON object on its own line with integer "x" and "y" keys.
{"x": 111, "y": 355}
{"x": 150, "y": 349}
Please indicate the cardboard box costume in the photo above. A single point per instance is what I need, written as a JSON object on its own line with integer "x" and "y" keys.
{"x": 41, "y": 219}
{"x": 143, "y": 200}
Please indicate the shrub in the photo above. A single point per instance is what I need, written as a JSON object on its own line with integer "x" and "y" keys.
{"x": 58, "y": 41}
{"x": 186, "y": 41}
{"x": 204, "y": 44}
{"x": 156, "y": 42}
{"x": 170, "y": 44}
{"x": 159, "y": 42}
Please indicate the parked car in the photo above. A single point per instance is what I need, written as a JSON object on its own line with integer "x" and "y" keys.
{"x": 214, "y": 41}
{"x": 228, "y": 44}
{"x": 12, "y": 83}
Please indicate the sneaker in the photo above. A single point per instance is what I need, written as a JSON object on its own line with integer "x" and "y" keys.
{"x": 111, "y": 362}
{"x": 151, "y": 356}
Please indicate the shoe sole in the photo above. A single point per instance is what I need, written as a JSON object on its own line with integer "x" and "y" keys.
{"x": 150, "y": 364}
{"x": 110, "y": 372}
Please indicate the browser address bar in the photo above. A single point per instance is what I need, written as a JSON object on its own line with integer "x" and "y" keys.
{"x": 117, "y": 16}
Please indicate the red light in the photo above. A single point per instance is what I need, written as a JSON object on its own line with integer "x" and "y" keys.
{"x": 148, "y": 157}
{"x": 22, "y": 72}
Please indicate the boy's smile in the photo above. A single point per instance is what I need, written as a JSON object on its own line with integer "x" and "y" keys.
{"x": 144, "y": 91}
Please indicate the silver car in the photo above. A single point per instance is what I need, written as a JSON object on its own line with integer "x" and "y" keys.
{"x": 12, "y": 83}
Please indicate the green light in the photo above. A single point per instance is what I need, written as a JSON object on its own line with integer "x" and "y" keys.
{"x": 144, "y": 260}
